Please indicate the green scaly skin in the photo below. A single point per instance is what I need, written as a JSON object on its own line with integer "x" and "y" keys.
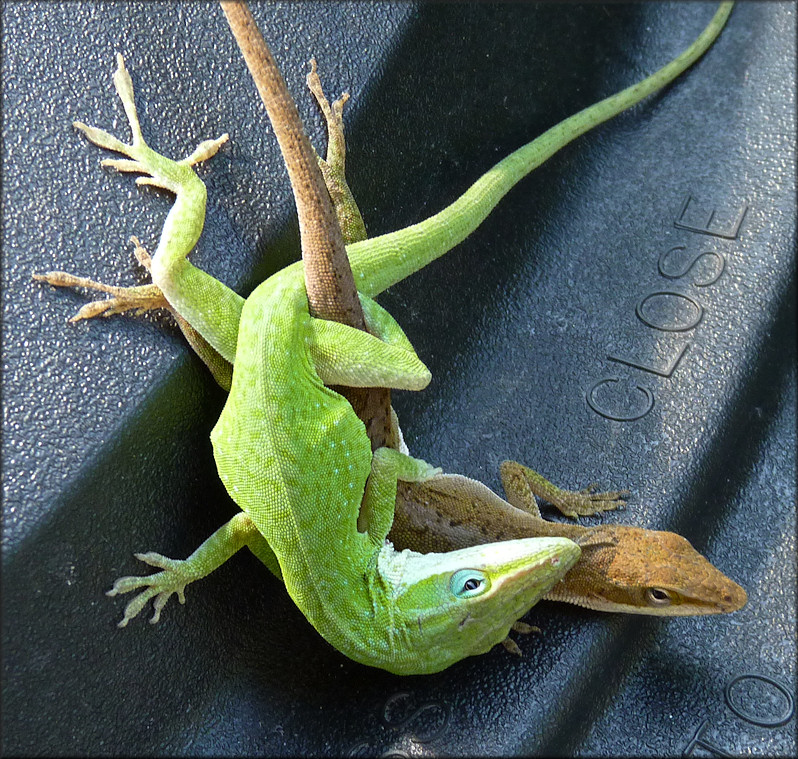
{"x": 403, "y": 612}
{"x": 295, "y": 458}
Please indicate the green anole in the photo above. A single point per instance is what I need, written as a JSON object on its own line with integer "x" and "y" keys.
{"x": 376, "y": 264}
{"x": 294, "y": 456}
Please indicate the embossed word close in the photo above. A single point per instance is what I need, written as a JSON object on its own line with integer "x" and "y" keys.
{"x": 667, "y": 310}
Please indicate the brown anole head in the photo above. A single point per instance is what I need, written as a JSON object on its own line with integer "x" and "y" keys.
{"x": 629, "y": 569}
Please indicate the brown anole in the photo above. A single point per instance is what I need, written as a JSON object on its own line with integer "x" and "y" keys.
{"x": 622, "y": 568}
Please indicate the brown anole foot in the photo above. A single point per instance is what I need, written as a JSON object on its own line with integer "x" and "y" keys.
{"x": 523, "y": 484}
{"x": 138, "y": 298}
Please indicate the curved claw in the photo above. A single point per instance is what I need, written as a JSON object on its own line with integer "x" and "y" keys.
{"x": 432, "y": 471}
{"x": 123, "y": 165}
{"x": 157, "y": 560}
{"x": 524, "y": 628}
{"x": 205, "y": 150}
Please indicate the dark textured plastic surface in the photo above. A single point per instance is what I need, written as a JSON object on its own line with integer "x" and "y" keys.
{"x": 105, "y": 426}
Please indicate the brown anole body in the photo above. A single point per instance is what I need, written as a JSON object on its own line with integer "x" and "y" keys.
{"x": 622, "y": 568}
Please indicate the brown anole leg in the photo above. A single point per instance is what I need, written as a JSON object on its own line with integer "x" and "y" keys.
{"x": 333, "y": 168}
{"x": 521, "y": 484}
{"x": 139, "y": 299}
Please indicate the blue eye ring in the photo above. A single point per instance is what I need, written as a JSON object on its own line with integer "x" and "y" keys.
{"x": 467, "y": 583}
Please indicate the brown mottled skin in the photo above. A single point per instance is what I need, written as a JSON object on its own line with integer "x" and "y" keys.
{"x": 622, "y": 569}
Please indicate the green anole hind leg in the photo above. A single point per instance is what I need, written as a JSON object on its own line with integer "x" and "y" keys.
{"x": 522, "y": 484}
{"x": 379, "y": 499}
{"x": 382, "y": 357}
{"x": 176, "y": 574}
{"x": 139, "y": 299}
{"x": 219, "y": 367}
{"x": 333, "y": 167}
{"x": 208, "y": 305}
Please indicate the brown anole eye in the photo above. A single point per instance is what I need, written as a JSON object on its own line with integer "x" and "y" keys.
{"x": 658, "y": 597}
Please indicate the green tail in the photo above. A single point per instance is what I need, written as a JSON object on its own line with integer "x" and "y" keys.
{"x": 380, "y": 262}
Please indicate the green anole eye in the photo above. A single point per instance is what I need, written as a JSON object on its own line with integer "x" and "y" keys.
{"x": 659, "y": 597}
{"x": 467, "y": 583}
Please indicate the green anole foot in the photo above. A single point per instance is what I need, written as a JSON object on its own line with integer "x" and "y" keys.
{"x": 139, "y": 298}
{"x": 177, "y": 573}
{"x": 572, "y": 503}
{"x": 173, "y": 579}
{"x": 158, "y": 170}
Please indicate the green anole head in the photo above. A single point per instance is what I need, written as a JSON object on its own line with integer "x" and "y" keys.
{"x": 446, "y": 606}
{"x": 647, "y": 572}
